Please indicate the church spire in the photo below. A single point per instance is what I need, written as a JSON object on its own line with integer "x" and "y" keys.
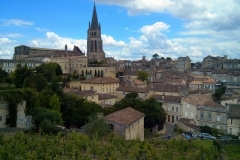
{"x": 94, "y": 23}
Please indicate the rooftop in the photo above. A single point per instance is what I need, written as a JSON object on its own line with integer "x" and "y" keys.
{"x": 125, "y": 117}
{"x": 101, "y": 80}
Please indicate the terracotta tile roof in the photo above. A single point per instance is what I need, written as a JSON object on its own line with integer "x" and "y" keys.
{"x": 132, "y": 89}
{"x": 201, "y": 91}
{"x": 210, "y": 80}
{"x": 196, "y": 82}
{"x": 100, "y": 80}
{"x": 105, "y": 96}
{"x": 234, "y": 111}
{"x": 201, "y": 100}
{"x": 167, "y": 88}
{"x": 81, "y": 93}
{"x": 125, "y": 117}
{"x": 139, "y": 82}
{"x": 167, "y": 99}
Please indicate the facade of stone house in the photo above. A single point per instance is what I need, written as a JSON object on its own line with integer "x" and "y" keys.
{"x": 22, "y": 121}
{"x": 228, "y": 101}
{"x": 183, "y": 64}
{"x": 89, "y": 95}
{"x": 106, "y": 99}
{"x": 232, "y": 88}
{"x": 233, "y": 119}
{"x": 102, "y": 85}
{"x": 123, "y": 90}
{"x": 213, "y": 62}
{"x": 191, "y": 103}
{"x": 127, "y": 123}
{"x": 172, "y": 106}
{"x": 209, "y": 84}
{"x": 188, "y": 125}
{"x": 194, "y": 85}
{"x": 212, "y": 116}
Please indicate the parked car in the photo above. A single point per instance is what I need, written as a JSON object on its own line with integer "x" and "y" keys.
{"x": 225, "y": 138}
{"x": 206, "y": 136}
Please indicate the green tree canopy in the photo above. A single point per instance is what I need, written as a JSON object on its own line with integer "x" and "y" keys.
{"x": 3, "y": 75}
{"x": 155, "y": 56}
{"x": 37, "y": 81}
{"x": 168, "y": 58}
{"x": 131, "y": 95}
{"x": 19, "y": 75}
{"x": 154, "y": 113}
{"x": 142, "y": 75}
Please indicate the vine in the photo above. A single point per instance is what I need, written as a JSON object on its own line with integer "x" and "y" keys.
{"x": 12, "y": 97}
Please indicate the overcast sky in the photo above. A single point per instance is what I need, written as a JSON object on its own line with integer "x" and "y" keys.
{"x": 130, "y": 28}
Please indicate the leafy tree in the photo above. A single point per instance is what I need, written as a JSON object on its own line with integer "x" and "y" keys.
{"x": 55, "y": 103}
{"x": 142, "y": 75}
{"x": 47, "y": 126}
{"x": 168, "y": 58}
{"x": 131, "y": 95}
{"x": 20, "y": 73}
{"x": 206, "y": 129}
{"x": 3, "y": 75}
{"x": 155, "y": 56}
{"x": 154, "y": 113}
{"x": 37, "y": 81}
{"x": 49, "y": 70}
{"x": 218, "y": 93}
{"x": 97, "y": 126}
{"x": 162, "y": 58}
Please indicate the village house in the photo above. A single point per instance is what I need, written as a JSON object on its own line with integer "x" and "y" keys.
{"x": 106, "y": 100}
{"x": 172, "y": 106}
{"x": 233, "y": 119}
{"x": 127, "y": 123}
{"x": 204, "y": 111}
{"x": 170, "y": 90}
{"x": 123, "y": 90}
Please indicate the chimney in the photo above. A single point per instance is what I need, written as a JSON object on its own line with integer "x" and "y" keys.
{"x": 65, "y": 49}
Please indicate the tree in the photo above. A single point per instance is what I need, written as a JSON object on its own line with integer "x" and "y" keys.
{"x": 162, "y": 58}
{"x": 20, "y": 74}
{"x": 155, "y": 56}
{"x": 97, "y": 126}
{"x": 55, "y": 103}
{"x": 168, "y": 58}
{"x": 3, "y": 75}
{"x": 142, "y": 75}
{"x": 131, "y": 95}
{"x": 218, "y": 93}
{"x": 37, "y": 81}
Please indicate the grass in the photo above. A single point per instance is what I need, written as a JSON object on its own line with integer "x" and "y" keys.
{"x": 204, "y": 143}
{"x": 232, "y": 151}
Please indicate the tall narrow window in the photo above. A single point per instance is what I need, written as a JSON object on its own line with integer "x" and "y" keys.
{"x": 95, "y": 45}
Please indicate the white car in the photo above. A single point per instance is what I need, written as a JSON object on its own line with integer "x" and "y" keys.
{"x": 206, "y": 136}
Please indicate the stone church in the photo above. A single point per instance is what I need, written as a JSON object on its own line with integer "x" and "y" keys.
{"x": 94, "y": 41}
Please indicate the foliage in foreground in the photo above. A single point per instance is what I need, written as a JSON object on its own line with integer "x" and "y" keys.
{"x": 80, "y": 146}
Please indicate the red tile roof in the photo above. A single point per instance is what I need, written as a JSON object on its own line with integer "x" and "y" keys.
{"x": 174, "y": 99}
{"x": 125, "y": 117}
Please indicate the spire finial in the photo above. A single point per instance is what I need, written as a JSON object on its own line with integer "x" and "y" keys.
{"x": 94, "y": 23}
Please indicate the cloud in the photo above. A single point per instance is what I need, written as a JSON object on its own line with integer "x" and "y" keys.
{"x": 109, "y": 41}
{"x": 15, "y": 22}
{"x": 6, "y": 48}
{"x": 12, "y": 35}
{"x": 53, "y": 40}
{"x": 41, "y": 29}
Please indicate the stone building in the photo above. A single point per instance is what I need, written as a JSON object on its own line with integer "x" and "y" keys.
{"x": 183, "y": 64}
{"x": 172, "y": 106}
{"x": 127, "y": 123}
{"x": 94, "y": 41}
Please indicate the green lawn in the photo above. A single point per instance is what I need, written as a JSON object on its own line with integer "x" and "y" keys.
{"x": 232, "y": 151}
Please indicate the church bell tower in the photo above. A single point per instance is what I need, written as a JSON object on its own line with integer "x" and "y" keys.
{"x": 94, "y": 41}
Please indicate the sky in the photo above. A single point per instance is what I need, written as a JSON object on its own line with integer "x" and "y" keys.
{"x": 130, "y": 29}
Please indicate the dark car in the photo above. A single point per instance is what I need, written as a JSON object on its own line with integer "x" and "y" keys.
{"x": 223, "y": 138}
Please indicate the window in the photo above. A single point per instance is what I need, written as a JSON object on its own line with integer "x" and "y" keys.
{"x": 0, "y": 118}
{"x": 172, "y": 109}
{"x": 123, "y": 93}
{"x": 202, "y": 116}
{"x": 187, "y": 105}
{"x": 209, "y": 117}
{"x": 176, "y": 118}
{"x": 176, "y": 109}
{"x": 169, "y": 109}
{"x": 231, "y": 121}
{"x": 218, "y": 118}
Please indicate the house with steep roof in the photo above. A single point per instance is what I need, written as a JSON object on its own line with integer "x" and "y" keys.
{"x": 204, "y": 111}
{"x": 123, "y": 90}
{"x": 127, "y": 123}
{"x": 172, "y": 106}
{"x": 188, "y": 125}
{"x": 233, "y": 119}
{"x": 106, "y": 100}
{"x": 168, "y": 89}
